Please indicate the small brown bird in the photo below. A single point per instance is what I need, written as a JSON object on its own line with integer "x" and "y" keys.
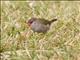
{"x": 40, "y": 25}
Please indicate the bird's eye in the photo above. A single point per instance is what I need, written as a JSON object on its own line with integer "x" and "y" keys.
{"x": 30, "y": 22}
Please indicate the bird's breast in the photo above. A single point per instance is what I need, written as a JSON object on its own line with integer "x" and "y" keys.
{"x": 39, "y": 27}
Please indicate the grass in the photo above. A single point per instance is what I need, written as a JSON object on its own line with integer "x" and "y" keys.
{"x": 19, "y": 42}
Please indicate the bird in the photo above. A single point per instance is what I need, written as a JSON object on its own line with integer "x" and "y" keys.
{"x": 40, "y": 25}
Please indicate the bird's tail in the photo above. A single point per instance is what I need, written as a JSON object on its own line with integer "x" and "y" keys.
{"x": 52, "y": 21}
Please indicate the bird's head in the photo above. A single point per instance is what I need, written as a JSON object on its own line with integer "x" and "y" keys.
{"x": 31, "y": 21}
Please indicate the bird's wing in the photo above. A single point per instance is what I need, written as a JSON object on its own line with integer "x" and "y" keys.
{"x": 43, "y": 21}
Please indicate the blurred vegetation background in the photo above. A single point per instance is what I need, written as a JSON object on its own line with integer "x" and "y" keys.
{"x": 19, "y": 42}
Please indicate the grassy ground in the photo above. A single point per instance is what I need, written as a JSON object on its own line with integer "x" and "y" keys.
{"x": 19, "y": 42}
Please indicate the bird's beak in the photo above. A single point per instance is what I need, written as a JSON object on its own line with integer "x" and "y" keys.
{"x": 29, "y": 24}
